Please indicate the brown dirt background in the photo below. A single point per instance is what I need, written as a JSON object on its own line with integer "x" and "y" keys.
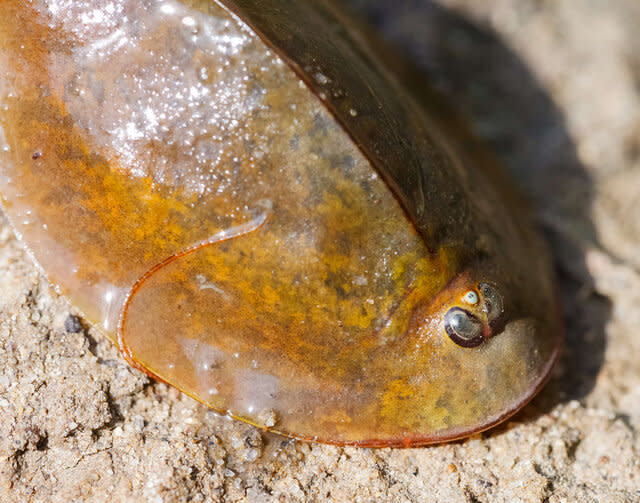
{"x": 554, "y": 87}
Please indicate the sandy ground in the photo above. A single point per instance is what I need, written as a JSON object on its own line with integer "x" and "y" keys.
{"x": 554, "y": 87}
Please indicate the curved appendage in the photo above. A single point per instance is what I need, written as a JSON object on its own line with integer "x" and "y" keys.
{"x": 225, "y": 235}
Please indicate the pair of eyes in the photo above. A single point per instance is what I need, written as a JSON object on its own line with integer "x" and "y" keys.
{"x": 466, "y": 329}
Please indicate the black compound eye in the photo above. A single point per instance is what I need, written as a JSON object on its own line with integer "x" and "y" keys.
{"x": 463, "y": 327}
{"x": 493, "y": 305}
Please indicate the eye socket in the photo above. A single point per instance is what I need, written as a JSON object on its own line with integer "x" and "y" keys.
{"x": 493, "y": 305}
{"x": 463, "y": 328}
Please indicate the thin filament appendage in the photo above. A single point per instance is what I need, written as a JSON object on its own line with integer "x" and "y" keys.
{"x": 224, "y": 235}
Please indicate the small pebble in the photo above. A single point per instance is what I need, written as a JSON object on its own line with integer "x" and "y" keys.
{"x": 72, "y": 324}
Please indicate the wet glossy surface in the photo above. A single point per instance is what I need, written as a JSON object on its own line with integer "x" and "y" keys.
{"x": 191, "y": 194}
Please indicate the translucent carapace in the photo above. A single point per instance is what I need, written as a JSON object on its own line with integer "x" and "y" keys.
{"x": 259, "y": 214}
